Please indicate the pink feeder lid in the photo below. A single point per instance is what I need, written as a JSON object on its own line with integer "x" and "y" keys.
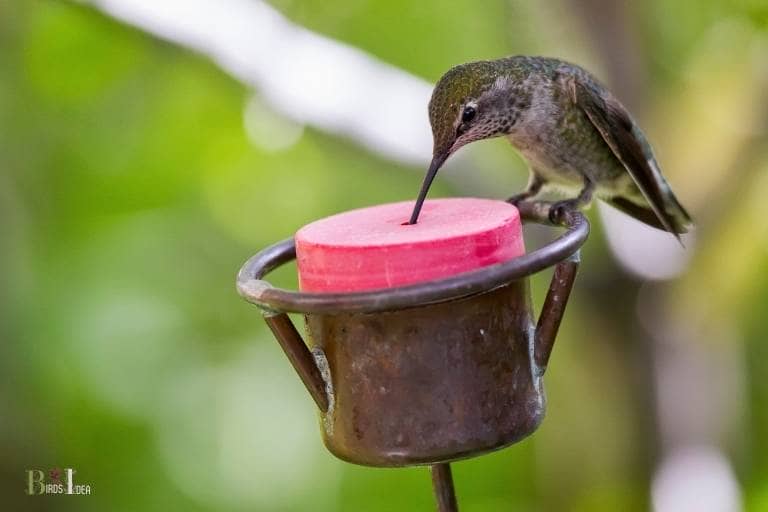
{"x": 370, "y": 248}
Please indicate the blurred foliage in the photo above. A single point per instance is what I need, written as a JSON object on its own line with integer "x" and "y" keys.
{"x": 130, "y": 194}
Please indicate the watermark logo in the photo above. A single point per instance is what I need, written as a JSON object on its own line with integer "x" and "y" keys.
{"x": 58, "y": 481}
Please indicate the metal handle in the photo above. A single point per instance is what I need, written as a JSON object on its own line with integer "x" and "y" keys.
{"x": 553, "y": 309}
{"x": 300, "y": 357}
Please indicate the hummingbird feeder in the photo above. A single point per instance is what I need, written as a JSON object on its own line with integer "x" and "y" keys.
{"x": 423, "y": 346}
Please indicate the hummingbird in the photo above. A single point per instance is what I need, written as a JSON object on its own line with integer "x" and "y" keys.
{"x": 576, "y": 137}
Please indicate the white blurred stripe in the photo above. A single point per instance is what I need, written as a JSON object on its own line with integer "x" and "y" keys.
{"x": 645, "y": 251}
{"x": 695, "y": 479}
{"x": 309, "y": 78}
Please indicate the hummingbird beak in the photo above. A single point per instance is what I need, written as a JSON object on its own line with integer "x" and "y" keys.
{"x": 437, "y": 161}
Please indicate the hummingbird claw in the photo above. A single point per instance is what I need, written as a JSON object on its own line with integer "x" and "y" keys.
{"x": 560, "y": 209}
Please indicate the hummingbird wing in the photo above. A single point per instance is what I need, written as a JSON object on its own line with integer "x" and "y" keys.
{"x": 628, "y": 143}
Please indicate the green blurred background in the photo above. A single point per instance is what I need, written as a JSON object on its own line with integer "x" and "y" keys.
{"x": 137, "y": 175}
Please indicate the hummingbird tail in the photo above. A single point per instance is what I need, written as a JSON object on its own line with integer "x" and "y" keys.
{"x": 676, "y": 219}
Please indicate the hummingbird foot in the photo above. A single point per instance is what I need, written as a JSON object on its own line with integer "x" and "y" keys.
{"x": 558, "y": 210}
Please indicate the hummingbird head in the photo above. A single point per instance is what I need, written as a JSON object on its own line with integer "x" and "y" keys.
{"x": 470, "y": 102}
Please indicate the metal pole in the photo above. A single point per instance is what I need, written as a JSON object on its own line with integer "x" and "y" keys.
{"x": 442, "y": 482}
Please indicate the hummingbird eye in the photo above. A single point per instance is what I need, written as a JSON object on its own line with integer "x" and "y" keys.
{"x": 468, "y": 114}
